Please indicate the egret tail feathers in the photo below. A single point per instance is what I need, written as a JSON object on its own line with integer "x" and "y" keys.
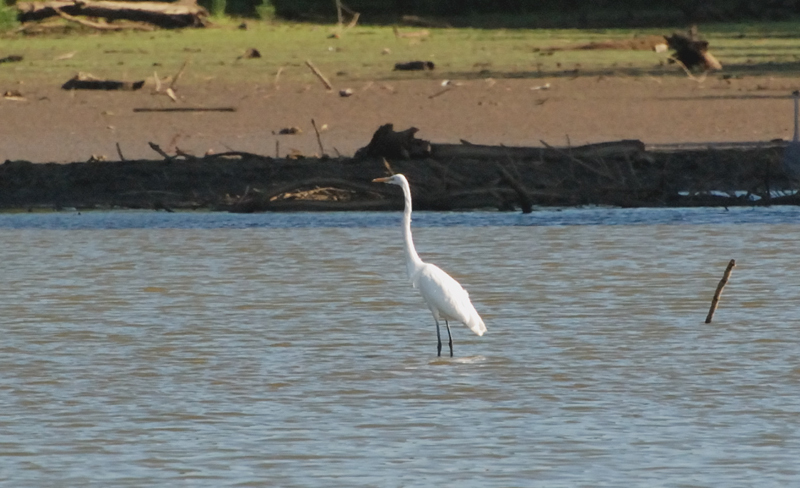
{"x": 475, "y": 323}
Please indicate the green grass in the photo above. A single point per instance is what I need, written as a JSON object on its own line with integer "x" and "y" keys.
{"x": 359, "y": 53}
{"x": 8, "y": 18}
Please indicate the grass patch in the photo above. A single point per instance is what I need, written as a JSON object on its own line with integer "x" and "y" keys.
{"x": 8, "y": 18}
{"x": 361, "y": 53}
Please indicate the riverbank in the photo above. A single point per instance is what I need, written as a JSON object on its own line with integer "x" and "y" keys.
{"x": 448, "y": 177}
{"x": 236, "y": 120}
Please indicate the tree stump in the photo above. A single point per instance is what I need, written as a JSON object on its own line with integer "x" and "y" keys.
{"x": 387, "y": 143}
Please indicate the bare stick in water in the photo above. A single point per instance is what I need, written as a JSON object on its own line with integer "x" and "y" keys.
{"x": 720, "y": 286}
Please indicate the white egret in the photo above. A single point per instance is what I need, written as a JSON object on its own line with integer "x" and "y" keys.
{"x": 791, "y": 155}
{"x": 445, "y": 297}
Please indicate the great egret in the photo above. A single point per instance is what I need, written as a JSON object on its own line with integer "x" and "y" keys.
{"x": 791, "y": 155}
{"x": 445, "y": 297}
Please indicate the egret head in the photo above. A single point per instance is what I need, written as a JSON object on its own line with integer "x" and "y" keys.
{"x": 392, "y": 180}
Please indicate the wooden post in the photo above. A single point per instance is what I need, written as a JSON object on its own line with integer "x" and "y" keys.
{"x": 720, "y": 286}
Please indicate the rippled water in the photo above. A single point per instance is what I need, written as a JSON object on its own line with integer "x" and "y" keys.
{"x": 145, "y": 349}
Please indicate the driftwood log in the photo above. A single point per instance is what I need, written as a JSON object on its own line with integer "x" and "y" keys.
{"x": 162, "y": 14}
{"x": 624, "y": 148}
{"x": 691, "y": 51}
{"x": 387, "y": 143}
{"x": 83, "y": 81}
{"x": 415, "y": 66}
{"x": 11, "y": 59}
{"x": 444, "y": 177}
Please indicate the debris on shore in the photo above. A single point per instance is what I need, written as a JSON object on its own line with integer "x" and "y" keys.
{"x": 445, "y": 177}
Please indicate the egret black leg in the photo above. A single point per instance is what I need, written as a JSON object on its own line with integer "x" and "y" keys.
{"x": 450, "y": 336}
{"x": 439, "y": 338}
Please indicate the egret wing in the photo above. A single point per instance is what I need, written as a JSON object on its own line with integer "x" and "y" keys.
{"x": 445, "y": 296}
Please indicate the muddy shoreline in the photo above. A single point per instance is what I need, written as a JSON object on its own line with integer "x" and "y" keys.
{"x": 445, "y": 180}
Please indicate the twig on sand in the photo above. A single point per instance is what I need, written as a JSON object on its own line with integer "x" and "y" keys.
{"x": 170, "y": 91}
{"x": 441, "y": 92}
{"x": 319, "y": 75}
{"x": 185, "y": 109}
{"x": 720, "y": 286}
{"x": 119, "y": 151}
{"x": 178, "y": 75}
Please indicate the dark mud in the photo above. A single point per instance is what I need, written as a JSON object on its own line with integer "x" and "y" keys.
{"x": 453, "y": 177}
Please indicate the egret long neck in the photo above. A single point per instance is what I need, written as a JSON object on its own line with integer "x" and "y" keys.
{"x": 796, "y": 114}
{"x": 412, "y": 258}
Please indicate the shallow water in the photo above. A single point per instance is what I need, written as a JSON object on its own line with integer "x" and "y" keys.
{"x": 147, "y": 349}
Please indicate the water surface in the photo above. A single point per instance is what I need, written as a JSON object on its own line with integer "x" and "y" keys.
{"x": 152, "y": 349}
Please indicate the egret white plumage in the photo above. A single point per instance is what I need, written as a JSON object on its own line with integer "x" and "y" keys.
{"x": 445, "y": 297}
{"x": 791, "y": 155}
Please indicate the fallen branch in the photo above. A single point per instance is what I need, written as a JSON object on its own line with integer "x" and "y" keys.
{"x": 186, "y": 109}
{"x": 11, "y": 59}
{"x": 235, "y": 155}
{"x": 415, "y": 66}
{"x": 85, "y": 81}
{"x": 319, "y": 75}
{"x": 168, "y": 92}
{"x": 181, "y": 152}
{"x": 720, "y": 286}
{"x": 616, "y": 149}
{"x": 15, "y": 95}
{"x": 178, "y": 74}
{"x": 521, "y": 191}
{"x": 162, "y": 14}
{"x": 102, "y": 26}
{"x": 155, "y": 147}
{"x": 576, "y": 160}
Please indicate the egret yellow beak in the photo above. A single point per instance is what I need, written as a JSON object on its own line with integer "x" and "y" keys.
{"x": 380, "y": 180}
